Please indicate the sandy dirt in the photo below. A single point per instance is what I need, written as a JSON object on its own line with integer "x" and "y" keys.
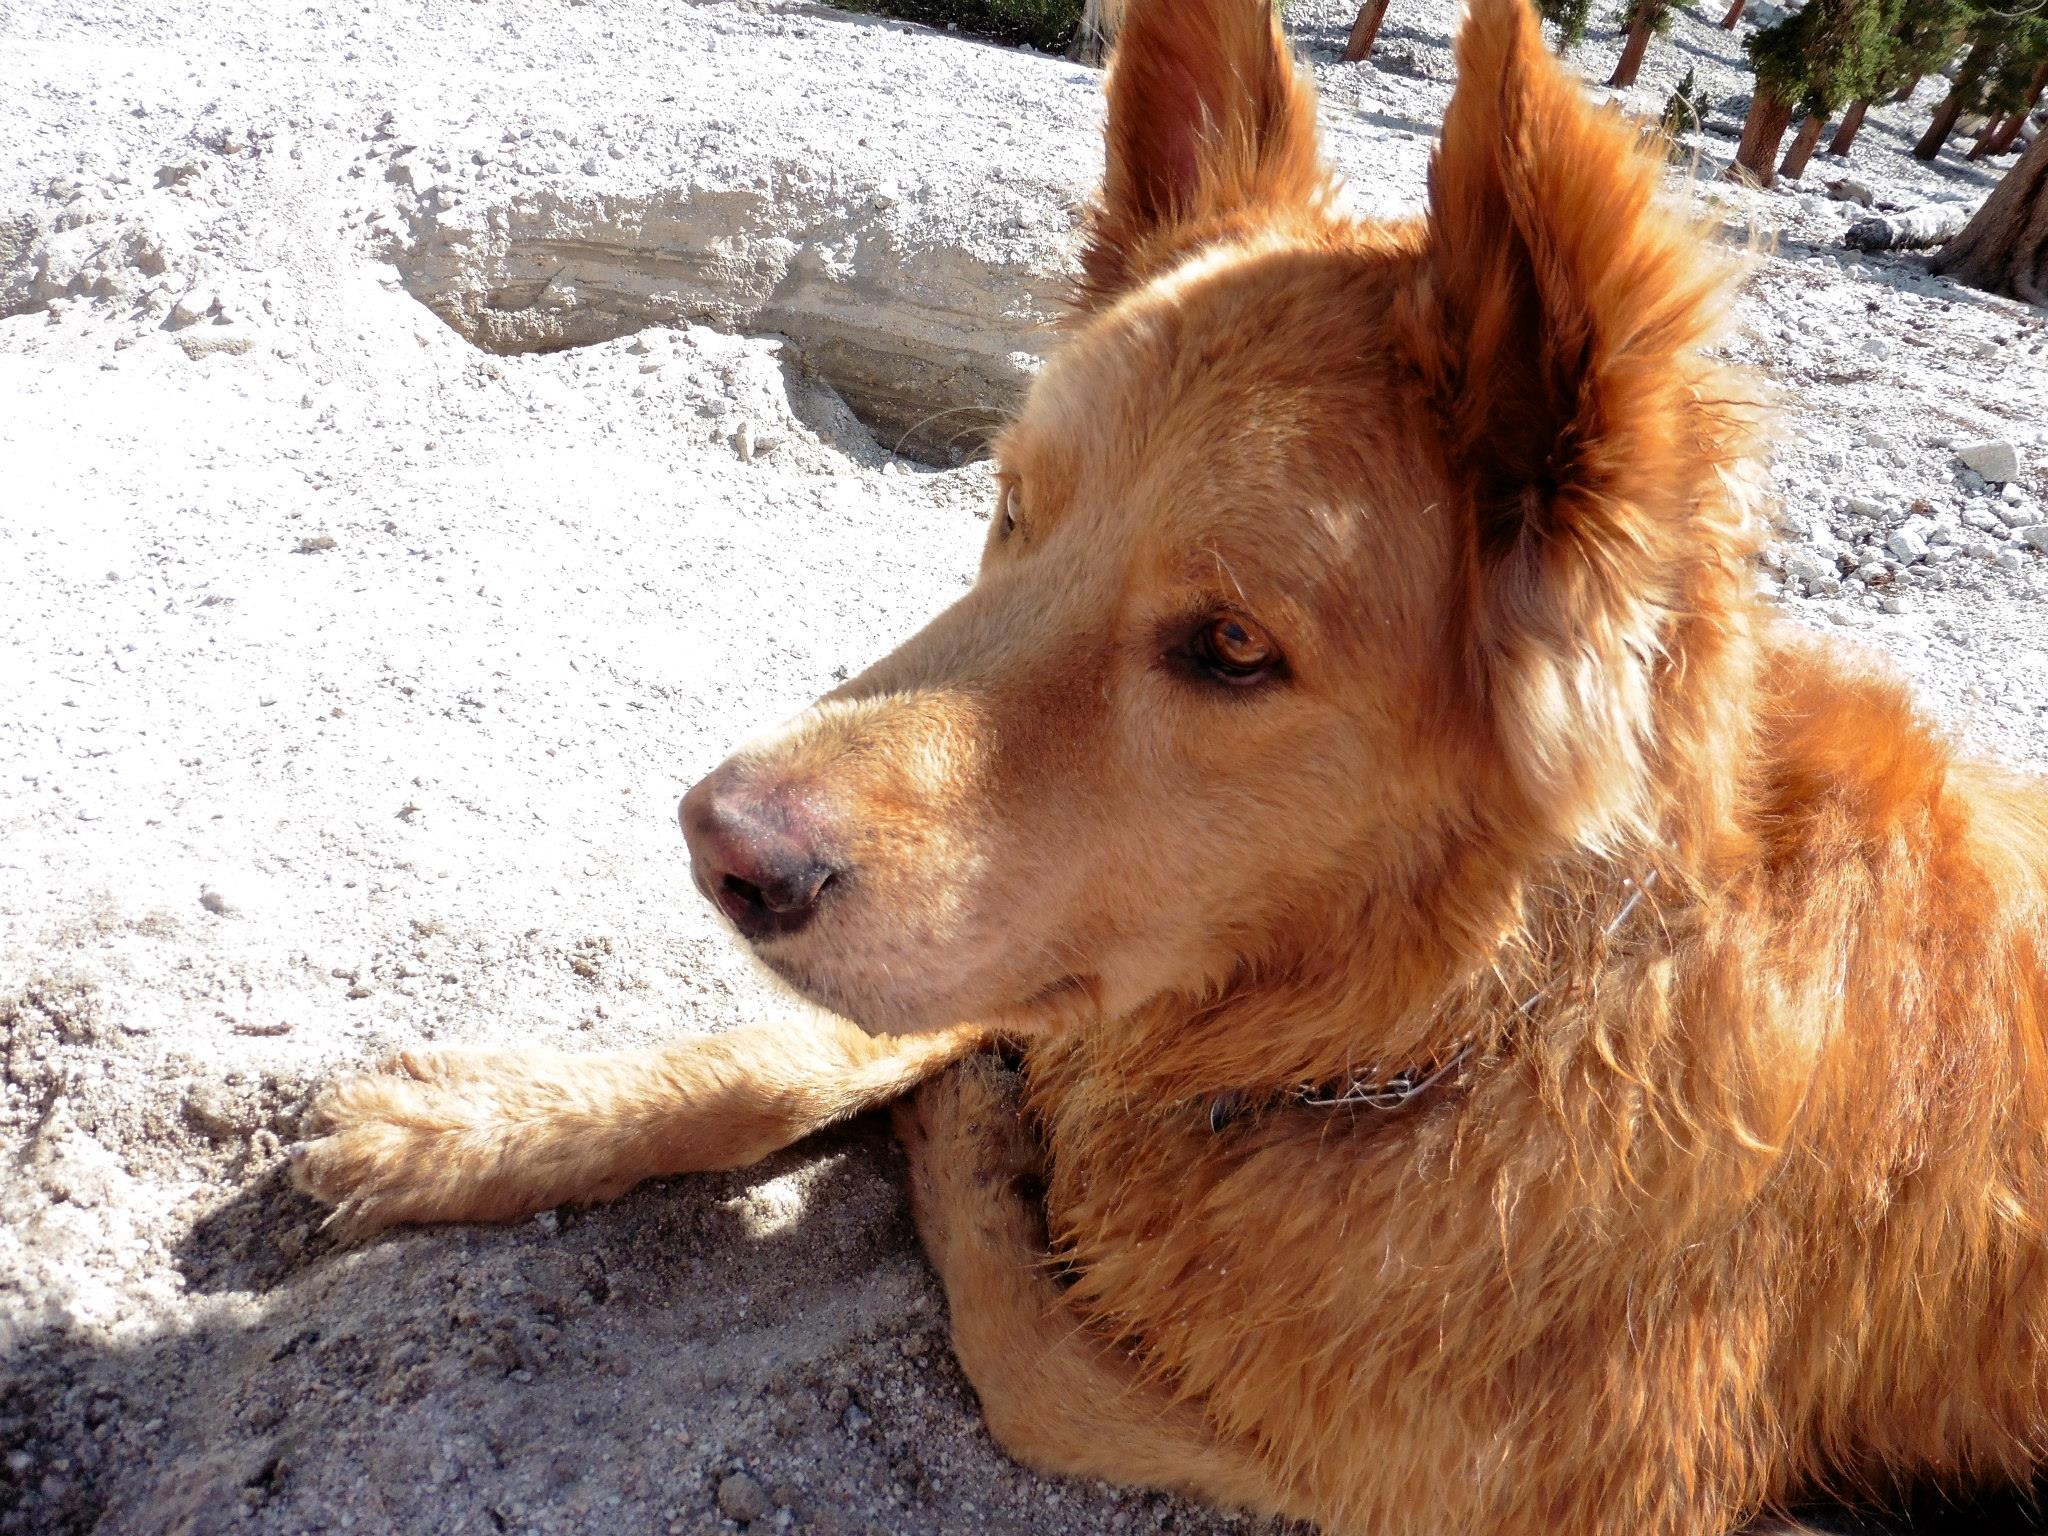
{"x": 430, "y": 435}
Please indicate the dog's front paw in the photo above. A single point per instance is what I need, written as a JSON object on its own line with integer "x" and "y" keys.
{"x": 420, "y": 1140}
{"x": 975, "y": 1166}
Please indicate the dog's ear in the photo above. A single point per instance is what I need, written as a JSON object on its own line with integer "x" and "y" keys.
{"x": 1209, "y": 127}
{"x": 1556, "y": 319}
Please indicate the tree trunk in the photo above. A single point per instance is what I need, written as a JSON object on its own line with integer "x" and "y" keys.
{"x": 1762, "y": 131}
{"x": 1943, "y": 125}
{"x": 2004, "y": 249}
{"x": 1852, "y": 120}
{"x": 1734, "y": 15}
{"x": 1905, "y": 92}
{"x": 1365, "y": 30}
{"x": 1946, "y": 114}
{"x": 1802, "y": 145}
{"x": 1631, "y": 62}
{"x": 2018, "y": 120}
{"x": 2007, "y": 132}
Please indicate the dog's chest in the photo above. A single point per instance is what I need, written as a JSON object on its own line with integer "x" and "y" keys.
{"x": 1266, "y": 1239}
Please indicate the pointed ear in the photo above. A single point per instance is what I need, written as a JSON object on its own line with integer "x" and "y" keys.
{"x": 1556, "y": 322}
{"x": 1208, "y": 125}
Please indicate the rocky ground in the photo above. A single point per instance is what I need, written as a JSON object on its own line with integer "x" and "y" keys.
{"x": 433, "y": 432}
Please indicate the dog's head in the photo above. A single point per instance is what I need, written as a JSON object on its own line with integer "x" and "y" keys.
{"x": 1325, "y": 553}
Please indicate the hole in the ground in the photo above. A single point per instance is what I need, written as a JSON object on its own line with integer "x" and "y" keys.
{"x": 928, "y": 340}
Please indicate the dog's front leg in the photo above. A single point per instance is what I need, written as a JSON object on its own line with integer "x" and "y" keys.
{"x": 1055, "y": 1397}
{"x": 463, "y": 1135}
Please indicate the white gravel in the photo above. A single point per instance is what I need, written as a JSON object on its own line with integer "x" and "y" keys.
{"x": 349, "y": 673}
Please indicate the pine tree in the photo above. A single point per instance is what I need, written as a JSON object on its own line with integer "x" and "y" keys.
{"x": 1924, "y": 37}
{"x": 2014, "y": 81}
{"x": 1569, "y": 17}
{"x": 1682, "y": 111}
{"x": 1644, "y": 20}
{"x": 1995, "y": 75}
{"x": 2010, "y": 129}
{"x": 1823, "y": 55}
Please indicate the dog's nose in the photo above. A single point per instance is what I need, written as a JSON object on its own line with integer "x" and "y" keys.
{"x": 755, "y": 854}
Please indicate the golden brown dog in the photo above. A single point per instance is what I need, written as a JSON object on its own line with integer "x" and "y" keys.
{"x": 1516, "y": 1041}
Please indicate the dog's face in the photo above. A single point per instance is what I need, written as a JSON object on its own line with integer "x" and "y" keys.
{"x": 1288, "y": 589}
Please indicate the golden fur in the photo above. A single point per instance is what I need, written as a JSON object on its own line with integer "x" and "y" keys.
{"x": 1738, "y": 1193}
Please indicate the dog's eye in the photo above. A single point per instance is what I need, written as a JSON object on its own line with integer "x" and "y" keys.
{"x": 1234, "y": 650}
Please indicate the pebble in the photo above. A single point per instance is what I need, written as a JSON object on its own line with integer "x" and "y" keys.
{"x": 2035, "y": 534}
{"x": 1995, "y": 459}
{"x": 742, "y": 1498}
{"x": 193, "y": 307}
{"x": 1817, "y": 572}
{"x": 215, "y": 903}
{"x": 209, "y": 1111}
{"x": 1909, "y": 544}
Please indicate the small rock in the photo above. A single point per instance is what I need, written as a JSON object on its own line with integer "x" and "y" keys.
{"x": 1995, "y": 459}
{"x": 741, "y": 1498}
{"x": 193, "y": 307}
{"x": 1895, "y": 602}
{"x": 1863, "y": 506}
{"x": 2035, "y": 534}
{"x": 1909, "y": 544}
{"x": 1849, "y": 190}
{"x": 215, "y": 903}
{"x": 1981, "y": 517}
{"x": 2012, "y": 493}
{"x": 743, "y": 441}
{"x": 1877, "y": 347}
{"x": 315, "y": 545}
{"x": 209, "y": 1111}
{"x": 1816, "y": 571}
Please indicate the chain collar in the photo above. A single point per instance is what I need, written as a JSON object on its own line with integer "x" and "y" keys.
{"x": 1370, "y": 1092}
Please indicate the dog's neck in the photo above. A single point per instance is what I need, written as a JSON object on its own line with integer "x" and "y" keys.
{"x": 1381, "y": 1092}
{"x": 1428, "y": 992}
